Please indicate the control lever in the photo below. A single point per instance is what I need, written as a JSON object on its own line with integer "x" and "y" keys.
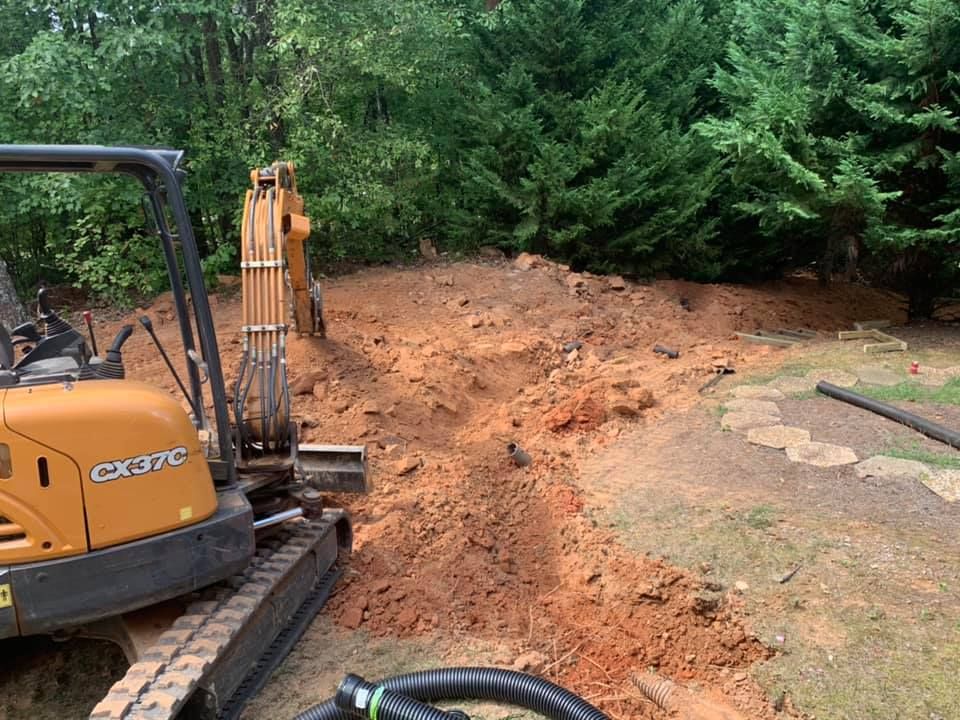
{"x": 88, "y": 319}
{"x": 53, "y": 323}
{"x": 148, "y": 326}
{"x": 112, "y": 366}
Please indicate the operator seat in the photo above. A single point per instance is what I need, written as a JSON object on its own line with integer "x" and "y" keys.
{"x": 6, "y": 349}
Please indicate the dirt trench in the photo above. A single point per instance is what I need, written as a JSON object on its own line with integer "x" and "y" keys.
{"x": 436, "y": 369}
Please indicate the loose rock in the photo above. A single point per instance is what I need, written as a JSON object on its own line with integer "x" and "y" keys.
{"x": 822, "y": 454}
{"x": 762, "y": 407}
{"x": 757, "y": 392}
{"x": 406, "y": 465}
{"x": 778, "y": 436}
{"x": 615, "y": 282}
{"x": 738, "y": 420}
{"x": 886, "y": 467}
{"x": 303, "y": 385}
{"x": 526, "y": 261}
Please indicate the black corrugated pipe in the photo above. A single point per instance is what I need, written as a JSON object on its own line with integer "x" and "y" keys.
{"x": 922, "y": 425}
{"x": 477, "y": 683}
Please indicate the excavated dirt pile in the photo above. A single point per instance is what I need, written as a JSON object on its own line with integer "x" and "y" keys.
{"x": 436, "y": 369}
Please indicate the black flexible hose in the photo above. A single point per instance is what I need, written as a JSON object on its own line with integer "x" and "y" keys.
{"x": 369, "y": 701}
{"x": 920, "y": 424}
{"x": 477, "y": 683}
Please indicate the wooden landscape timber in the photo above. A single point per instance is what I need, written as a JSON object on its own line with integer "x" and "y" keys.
{"x": 884, "y": 342}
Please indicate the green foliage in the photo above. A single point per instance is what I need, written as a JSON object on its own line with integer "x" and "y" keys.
{"x": 699, "y": 138}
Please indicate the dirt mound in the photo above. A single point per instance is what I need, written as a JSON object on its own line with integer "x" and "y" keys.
{"x": 437, "y": 368}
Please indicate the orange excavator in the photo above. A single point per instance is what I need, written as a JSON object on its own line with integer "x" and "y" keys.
{"x": 200, "y": 544}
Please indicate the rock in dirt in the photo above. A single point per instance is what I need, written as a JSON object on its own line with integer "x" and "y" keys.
{"x": 643, "y": 397}
{"x": 840, "y": 378}
{"x": 778, "y": 436}
{"x": 352, "y": 615}
{"x": 408, "y": 617}
{"x": 742, "y": 420}
{"x": 303, "y": 385}
{"x": 444, "y": 280}
{"x": 945, "y": 483}
{"x": 761, "y": 407}
{"x": 888, "y": 467}
{"x": 526, "y": 261}
{"x": 790, "y": 384}
{"x": 474, "y": 321}
{"x": 615, "y": 282}
{"x": 530, "y": 662}
{"x": 878, "y": 375}
{"x": 370, "y": 407}
{"x": 406, "y": 465}
{"x": 757, "y": 392}
{"x": 574, "y": 280}
{"x": 741, "y": 586}
{"x": 822, "y": 454}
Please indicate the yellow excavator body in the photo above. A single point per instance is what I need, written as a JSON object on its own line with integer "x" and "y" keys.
{"x": 96, "y": 463}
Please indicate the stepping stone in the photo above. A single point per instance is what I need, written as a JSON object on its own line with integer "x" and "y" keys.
{"x": 945, "y": 483}
{"x": 840, "y": 378}
{"x": 822, "y": 454}
{"x": 877, "y": 375}
{"x": 742, "y": 420}
{"x": 790, "y": 384}
{"x": 757, "y": 392}
{"x": 889, "y": 467}
{"x": 761, "y": 407}
{"x": 778, "y": 436}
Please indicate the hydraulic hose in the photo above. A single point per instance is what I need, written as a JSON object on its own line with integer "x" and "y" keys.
{"x": 477, "y": 683}
{"x": 920, "y": 424}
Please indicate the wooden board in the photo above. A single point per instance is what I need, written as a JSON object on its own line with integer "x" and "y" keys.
{"x": 800, "y": 333}
{"x": 857, "y": 334}
{"x": 767, "y": 340}
{"x": 894, "y": 346}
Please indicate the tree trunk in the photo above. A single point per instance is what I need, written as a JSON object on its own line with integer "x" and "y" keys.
{"x": 12, "y": 312}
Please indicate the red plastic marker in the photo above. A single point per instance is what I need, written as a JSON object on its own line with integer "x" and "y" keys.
{"x": 88, "y": 319}
{"x": 914, "y": 368}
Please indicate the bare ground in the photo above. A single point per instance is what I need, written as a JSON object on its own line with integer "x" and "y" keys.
{"x": 461, "y": 556}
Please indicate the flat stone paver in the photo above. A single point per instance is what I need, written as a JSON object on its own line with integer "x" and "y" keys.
{"x": 790, "y": 384}
{"x": 822, "y": 454}
{"x": 739, "y": 420}
{"x": 888, "y": 467}
{"x": 778, "y": 436}
{"x": 762, "y": 407}
{"x": 840, "y": 378}
{"x": 945, "y": 483}
{"x": 756, "y": 392}
{"x": 878, "y": 375}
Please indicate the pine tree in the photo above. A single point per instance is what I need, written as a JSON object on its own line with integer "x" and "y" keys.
{"x": 840, "y": 130}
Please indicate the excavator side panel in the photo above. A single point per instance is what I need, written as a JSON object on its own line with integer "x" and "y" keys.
{"x": 122, "y": 451}
{"x": 41, "y": 497}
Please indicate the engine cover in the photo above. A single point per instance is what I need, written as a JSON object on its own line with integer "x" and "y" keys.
{"x": 94, "y": 464}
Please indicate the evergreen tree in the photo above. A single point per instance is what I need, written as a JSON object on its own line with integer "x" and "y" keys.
{"x": 840, "y": 130}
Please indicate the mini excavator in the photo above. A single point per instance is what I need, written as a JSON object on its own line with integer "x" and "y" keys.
{"x": 200, "y": 545}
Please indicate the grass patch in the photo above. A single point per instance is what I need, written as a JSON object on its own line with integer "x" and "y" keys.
{"x": 761, "y": 517}
{"x": 949, "y": 394}
{"x": 927, "y": 457}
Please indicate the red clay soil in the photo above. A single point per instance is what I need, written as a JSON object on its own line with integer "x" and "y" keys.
{"x": 436, "y": 369}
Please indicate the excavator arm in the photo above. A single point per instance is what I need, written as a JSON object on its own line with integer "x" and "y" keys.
{"x": 277, "y": 287}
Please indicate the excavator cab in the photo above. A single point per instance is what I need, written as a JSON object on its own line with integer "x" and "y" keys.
{"x": 112, "y": 497}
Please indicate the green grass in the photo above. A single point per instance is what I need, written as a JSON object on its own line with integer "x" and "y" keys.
{"x": 949, "y": 394}
{"x": 915, "y": 452}
{"x": 760, "y": 517}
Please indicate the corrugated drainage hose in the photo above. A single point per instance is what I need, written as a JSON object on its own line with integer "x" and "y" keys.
{"x": 465, "y": 683}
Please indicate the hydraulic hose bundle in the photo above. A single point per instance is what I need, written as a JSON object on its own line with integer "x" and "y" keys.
{"x": 404, "y": 697}
{"x": 272, "y": 256}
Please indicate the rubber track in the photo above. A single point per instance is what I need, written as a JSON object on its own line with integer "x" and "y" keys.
{"x": 156, "y": 687}
{"x": 281, "y": 646}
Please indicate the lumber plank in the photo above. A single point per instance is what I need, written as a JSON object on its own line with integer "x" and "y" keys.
{"x": 767, "y": 340}
{"x": 895, "y": 346}
{"x": 857, "y": 334}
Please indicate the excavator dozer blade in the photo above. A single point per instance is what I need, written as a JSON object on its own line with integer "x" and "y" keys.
{"x": 334, "y": 468}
